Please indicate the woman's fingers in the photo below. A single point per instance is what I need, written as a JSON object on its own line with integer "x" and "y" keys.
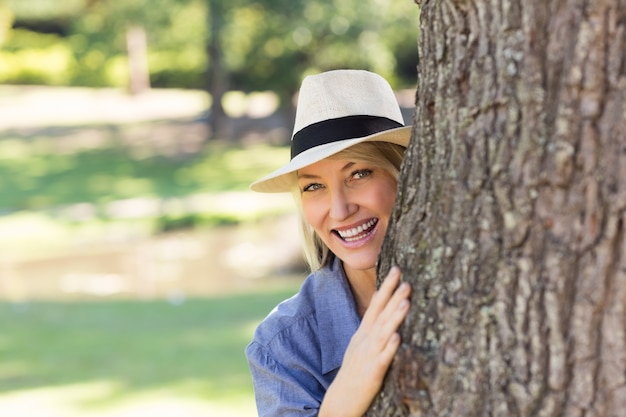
{"x": 388, "y": 352}
{"x": 390, "y": 282}
{"x": 373, "y": 346}
{"x": 381, "y": 297}
{"x": 390, "y": 302}
{"x": 388, "y": 308}
{"x": 386, "y": 325}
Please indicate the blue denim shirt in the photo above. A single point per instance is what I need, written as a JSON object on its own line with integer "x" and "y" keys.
{"x": 298, "y": 348}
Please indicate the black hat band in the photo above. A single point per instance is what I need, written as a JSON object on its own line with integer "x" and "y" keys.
{"x": 334, "y": 130}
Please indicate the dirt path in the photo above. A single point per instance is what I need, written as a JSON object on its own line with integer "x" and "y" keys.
{"x": 174, "y": 266}
{"x": 38, "y": 106}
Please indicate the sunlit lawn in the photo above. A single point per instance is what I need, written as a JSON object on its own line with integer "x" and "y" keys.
{"x": 118, "y": 358}
{"x": 34, "y": 176}
{"x": 94, "y": 156}
{"x": 47, "y": 196}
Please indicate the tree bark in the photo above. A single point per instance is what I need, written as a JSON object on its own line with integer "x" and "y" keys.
{"x": 217, "y": 74}
{"x": 137, "y": 46}
{"x": 511, "y": 210}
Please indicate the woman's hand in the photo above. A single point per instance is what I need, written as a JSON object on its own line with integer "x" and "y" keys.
{"x": 370, "y": 351}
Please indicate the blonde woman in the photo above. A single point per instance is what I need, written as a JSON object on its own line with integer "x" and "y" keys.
{"x": 325, "y": 351}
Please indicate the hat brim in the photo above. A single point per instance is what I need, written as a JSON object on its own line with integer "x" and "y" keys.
{"x": 283, "y": 179}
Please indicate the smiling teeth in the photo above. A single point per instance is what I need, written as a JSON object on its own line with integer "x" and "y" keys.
{"x": 349, "y": 235}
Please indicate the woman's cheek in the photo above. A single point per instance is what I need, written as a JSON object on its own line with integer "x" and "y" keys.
{"x": 311, "y": 213}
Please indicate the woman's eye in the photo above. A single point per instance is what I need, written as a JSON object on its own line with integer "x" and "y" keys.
{"x": 311, "y": 187}
{"x": 362, "y": 173}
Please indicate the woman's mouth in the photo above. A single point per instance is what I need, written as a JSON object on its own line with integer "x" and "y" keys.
{"x": 357, "y": 233}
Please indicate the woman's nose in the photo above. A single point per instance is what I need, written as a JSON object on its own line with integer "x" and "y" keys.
{"x": 340, "y": 205}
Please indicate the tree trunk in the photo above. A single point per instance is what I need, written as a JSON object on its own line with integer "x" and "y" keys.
{"x": 137, "y": 45}
{"x": 217, "y": 73}
{"x": 510, "y": 217}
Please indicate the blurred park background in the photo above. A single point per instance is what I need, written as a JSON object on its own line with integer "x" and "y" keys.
{"x": 134, "y": 262}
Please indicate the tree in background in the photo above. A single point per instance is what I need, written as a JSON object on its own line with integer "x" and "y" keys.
{"x": 217, "y": 76}
{"x": 217, "y": 45}
{"x": 85, "y": 42}
{"x": 510, "y": 222}
{"x": 266, "y": 45}
{"x": 135, "y": 38}
{"x": 272, "y": 45}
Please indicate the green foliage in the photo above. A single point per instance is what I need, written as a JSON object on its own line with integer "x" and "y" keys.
{"x": 45, "y": 9}
{"x": 298, "y": 37}
{"x": 22, "y": 64}
{"x": 266, "y": 45}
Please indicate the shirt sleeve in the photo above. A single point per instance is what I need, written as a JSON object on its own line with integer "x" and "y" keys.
{"x": 281, "y": 392}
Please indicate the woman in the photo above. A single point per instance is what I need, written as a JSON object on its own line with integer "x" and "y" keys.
{"x": 325, "y": 351}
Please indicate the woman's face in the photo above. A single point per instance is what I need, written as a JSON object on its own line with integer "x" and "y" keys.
{"x": 348, "y": 204}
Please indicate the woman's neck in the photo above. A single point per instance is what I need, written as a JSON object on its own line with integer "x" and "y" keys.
{"x": 363, "y": 286}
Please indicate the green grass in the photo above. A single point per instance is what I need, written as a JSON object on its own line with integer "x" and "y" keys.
{"x": 34, "y": 176}
{"x": 42, "y": 187}
{"x": 102, "y": 355}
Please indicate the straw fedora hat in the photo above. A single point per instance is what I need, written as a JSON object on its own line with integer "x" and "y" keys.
{"x": 336, "y": 110}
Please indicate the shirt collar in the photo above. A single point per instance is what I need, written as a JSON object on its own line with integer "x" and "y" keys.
{"x": 337, "y": 317}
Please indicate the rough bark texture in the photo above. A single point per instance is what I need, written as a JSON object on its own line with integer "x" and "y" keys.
{"x": 510, "y": 218}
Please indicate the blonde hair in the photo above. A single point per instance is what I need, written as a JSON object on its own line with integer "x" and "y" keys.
{"x": 385, "y": 155}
